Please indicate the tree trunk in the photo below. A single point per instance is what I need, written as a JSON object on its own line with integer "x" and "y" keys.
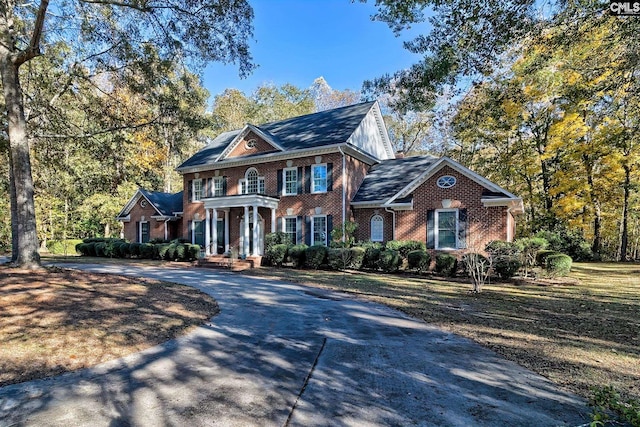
{"x": 25, "y": 251}
{"x": 624, "y": 221}
{"x": 14, "y": 211}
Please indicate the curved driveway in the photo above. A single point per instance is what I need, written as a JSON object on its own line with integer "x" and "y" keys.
{"x": 282, "y": 354}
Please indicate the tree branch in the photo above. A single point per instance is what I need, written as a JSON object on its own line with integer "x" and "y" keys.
{"x": 34, "y": 45}
{"x": 120, "y": 4}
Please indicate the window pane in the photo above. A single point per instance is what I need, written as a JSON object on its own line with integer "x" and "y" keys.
{"x": 217, "y": 187}
{"x": 447, "y": 229}
{"x": 319, "y": 230}
{"x": 377, "y": 229}
{"x": 197, "y": 189}
{"x": 319, "y": 178}
{"x": 290, "y": 229}
{"x": 291, "y": 181}
{"x": 252, "y": 181}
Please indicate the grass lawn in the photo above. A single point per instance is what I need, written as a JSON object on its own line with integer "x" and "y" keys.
{"x": 578, "y": 335}
{"x": 55, "y": 320}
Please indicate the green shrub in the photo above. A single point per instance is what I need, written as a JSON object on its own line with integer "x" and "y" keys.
{"x": 541, "y": 257}
{"x": 193, "y": 251}
{"x": 558, "y": 265}
{"x": 389, "y": 261}
{"x": 507, "y": 267}
{"x": 315, "y": 256}
{"x": 296, "y": 254}
{"x": 277, "y": 238}
{"x": 125, "y": 250}
{"x": 419, "y": 260}
{"x": 277, "y": 254}
{"x": 63, "y": 247}
{"x": 181, "y": 251}
{"x": 146, "y": 251}
{"x": 338, "y": 258}
{"x": 83, "y": 249}
{"x": 134, "y": 249}
{"x": 501, "y": 248}
{"x": 170, "y": 254}
{"x": 102, "y": 240}
{"x": 446, "y": 264}
{"x": 606, "y": 399}
{"x": 101, "y": 249}
{"x": 357, "y": 256}
{"x": 568, "y": 242}
{"x": 405, "y": 246}
{"x": 91, "y": 249}
{"x": 371, "y": 254}
{"x": 158, "y": 241}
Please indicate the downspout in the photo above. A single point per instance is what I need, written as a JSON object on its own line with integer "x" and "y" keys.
{"x": 393, "y": 230}
{"x": 513, "y": 233}
{"x": 166, "y": 232}
{"x": 344, "y": 193}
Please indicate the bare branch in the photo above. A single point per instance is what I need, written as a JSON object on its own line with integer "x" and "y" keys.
{"x": 120, "y": 4}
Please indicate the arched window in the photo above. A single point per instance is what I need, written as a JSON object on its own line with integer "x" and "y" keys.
{"x": 377, "y": 228}
{"x": 251, "y": 178}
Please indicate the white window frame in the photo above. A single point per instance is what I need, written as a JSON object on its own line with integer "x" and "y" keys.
{"x": 436, "y": 229}
{"x": 295, "y": 223}
{"x": 446, "y": 181}
{"x": 243, "y": 183}
{"x": 217, "y": 181}
{"x": 313, "y": 181}
{"x": 140, "y": 231}
{"x": 197, "y": 193}
{"x": 313, "y": 230}
{"x": 284, "y": 182}
{"x": 378, "y": 219}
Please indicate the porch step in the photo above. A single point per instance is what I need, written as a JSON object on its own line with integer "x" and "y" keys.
{"x": 222, "y": 262}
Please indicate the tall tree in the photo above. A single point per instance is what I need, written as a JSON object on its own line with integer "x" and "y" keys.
{"x": 104, "y": 36}
{"x": 327, "y": 98}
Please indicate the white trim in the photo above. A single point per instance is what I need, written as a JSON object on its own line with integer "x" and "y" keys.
{"x": 240, "y": 136}
{"x": 436, "y": 229}
{"x": 193, "y": 190}
{"x": 515, "y": 205}
{"x": 354, "y": 152}
{"x": 381, "y": 220}
{"x": 439, "y": 164}
{"x": 124, "y": 219}
{"x": 215, "y": 179}
{"x": 241, "y": 200}
{"x": 313, "y": 221}
{"x": 326, "y": 179}
{"x": 284, "y": 181}
{"x": 139, "y": 231}
{"x": 133, "y": 201}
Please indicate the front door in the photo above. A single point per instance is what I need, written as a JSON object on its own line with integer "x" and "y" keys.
{"x": 220, "y": 234}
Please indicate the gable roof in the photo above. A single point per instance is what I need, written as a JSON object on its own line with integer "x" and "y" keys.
{"x": 297, "y": 133}
{"x": 393, "y": 182}
{"x": 388, "y": 178}
{"x": 165, "y": 204}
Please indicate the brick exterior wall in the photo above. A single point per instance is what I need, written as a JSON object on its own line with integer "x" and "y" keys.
{"x": 156, "y": 228}
{"x": 363, "y": 218}
{"x": 485, "y": 224}
{"x": 329, "y": 203}
{"x": 261, "y": 147}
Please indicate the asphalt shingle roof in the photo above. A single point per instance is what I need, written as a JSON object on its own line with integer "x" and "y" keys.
{"x": 166, "y": 203}
{"x": 312, "y": 130}
{"x": 387, "y": 178}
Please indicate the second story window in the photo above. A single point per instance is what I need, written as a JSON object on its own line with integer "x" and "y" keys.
{"x": 218, "y": 187}
{"x": 197, "y": 189}
{"x": 290, "y": 181}
{"x": 319, "y": 179}
{"x": 252, "y": 183}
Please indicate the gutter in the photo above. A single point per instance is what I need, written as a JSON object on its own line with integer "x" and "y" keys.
{"x": 393, "y": 229}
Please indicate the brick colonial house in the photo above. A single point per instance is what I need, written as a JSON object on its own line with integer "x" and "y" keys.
{"x": 307, "y": 174}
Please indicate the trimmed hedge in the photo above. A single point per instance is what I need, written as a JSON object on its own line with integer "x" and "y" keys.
{"x": 357, "y": 257}
{"x": 403, "y": 247}
{"x": 389, "y": 261}
{"x": 507, "y": 267}
{"x": 339, "y": 258}
{"x": 541, "y": 257}
{"x": 371, "y": 254}
{"x": 296, "y": 254}
{"x": 446, "y": 264}
{"x": 277, "y": 254}
{"x": 315, "y": 256}
{"x": 419, "y": 260}
{"x": 558, "y": 265}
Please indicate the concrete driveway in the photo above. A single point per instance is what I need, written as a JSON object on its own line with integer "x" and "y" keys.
{"x": 281, "y": 354}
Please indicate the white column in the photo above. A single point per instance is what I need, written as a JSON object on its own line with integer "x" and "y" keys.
{"x": 273, "y": 220}
{"x": 226, "y": 231}
{"x": 214, "y": 232}
{"x": 207, "y": 232}
{"x": 255, "y": 231}
{"x": 245, "y": 243}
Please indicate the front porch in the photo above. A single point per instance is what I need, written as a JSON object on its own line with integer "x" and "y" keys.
{"x": 233, "y": 224}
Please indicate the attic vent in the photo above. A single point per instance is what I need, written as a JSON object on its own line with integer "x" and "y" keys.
{"x": 250, "y": 144}
{"x": 446, "y": 181}
{"x": 143, "y": 203}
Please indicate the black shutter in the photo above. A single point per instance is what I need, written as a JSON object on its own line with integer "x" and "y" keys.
{"x": 462, "y": 228}
{"x": 431, "y": 242}
{"x": 190, "y": 185}
{"x": 307, "y": 179}
{"x": 224, "y": 185}
{"x": 329, "y": 176}
{"x": 190, "y": 236}
{"x": 278, "y": 225}
{"x": 308, "y": 230}
{"x": 137, "y": 232}
{"x": 298, "y": 230}
{"x": 280, "y": 182}
{"x": 300, "y": 180}
{"x": 329, "y": 228}
{"x": 208, "y": 191}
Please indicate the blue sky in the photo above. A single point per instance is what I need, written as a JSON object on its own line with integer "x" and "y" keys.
{"x": 296, "y": 41}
